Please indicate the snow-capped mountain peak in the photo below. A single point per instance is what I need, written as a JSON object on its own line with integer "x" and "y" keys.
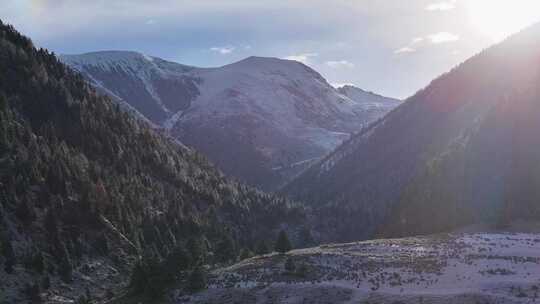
{"x": 274, "y": 113}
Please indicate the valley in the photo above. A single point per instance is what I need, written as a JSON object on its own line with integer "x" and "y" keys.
{"x": 127, "y": 178}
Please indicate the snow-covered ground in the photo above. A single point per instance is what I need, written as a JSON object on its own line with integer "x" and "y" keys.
{"x": 449, "y": 268}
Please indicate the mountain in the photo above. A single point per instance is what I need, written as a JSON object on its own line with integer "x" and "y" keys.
{"x": 372, "y": 106}
{"x": 261, "y": 120}
{"x": 93, "y": 200}
{"x": 463, "y": 268}
{"x": 463, "y": 150}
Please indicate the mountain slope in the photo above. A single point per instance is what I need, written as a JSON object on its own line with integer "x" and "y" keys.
{"x": 87, "y": 191}
{"x": 371, "y": 105}
{"x": 462, "y": 150}
{"x": 262, "y": 120}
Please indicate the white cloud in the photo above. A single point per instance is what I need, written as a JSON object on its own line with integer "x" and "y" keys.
{"x": 420, "y": 42}
{"x": 223, "y": 50}
{"x": 336, "y": 64}
{"x": 304, "y": 58}
{"x": 443, "y": 37}
{"x": 441, "y": 6}
{"x": 150, "y": 21}
{"x": 406, "y": 49}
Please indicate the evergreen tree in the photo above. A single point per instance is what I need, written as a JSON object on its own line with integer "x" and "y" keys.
{"x": 33, "y": 293}
{"x": 225, "y": 251}
{"x": 197, "y": 279}
{"x": 261, "y": 248}
{"x": 9, "y": 255}
{"x": 289, "y": 265}
{"x": 148, "y": 278}
{"x": 302, "y": 270}
{"x": 34, "y": 261}
{"x": 101, "y": 244}
{"x": 65, "y": 269}
{"x": 45, "y": 282}
{"x": 25, "y": 212}
{"x": 196, "y": 249}
{"x": 138, "y": 278}
{"x": 283, "y": 244}
{"x": 4, "y": 142}
{"x": 245, "y": 253}
{"x": 306, "y": 239}
{"x": 178, "y": 260}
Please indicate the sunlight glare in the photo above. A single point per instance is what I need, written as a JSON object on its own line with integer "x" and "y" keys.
{"x": 499, "y": 18}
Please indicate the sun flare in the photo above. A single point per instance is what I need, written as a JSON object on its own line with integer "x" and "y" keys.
{"x": 500, "y": 18}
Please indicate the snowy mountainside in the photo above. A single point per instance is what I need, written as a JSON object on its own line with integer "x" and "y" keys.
{"x": 261, "y": 120}
{"x": 446, "y": 268}
{"x": 372, "y": 105}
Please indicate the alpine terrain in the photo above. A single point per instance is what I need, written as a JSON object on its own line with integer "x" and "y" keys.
{"x": 261, "y": 120}
{"x": 463, "y": 150}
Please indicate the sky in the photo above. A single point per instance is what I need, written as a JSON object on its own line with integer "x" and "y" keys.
{"x": 391, "y": 47}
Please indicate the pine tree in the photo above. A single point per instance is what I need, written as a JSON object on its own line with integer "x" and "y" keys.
{"x": 177, "y": 261}
{"x": 283, "y": 244}
{"x": 196, "y": 249}
{"x": 302, "y": 270}
{"x": 245, "y": 253}
{"x": 306, "y": 239}
{"x": 65, "y": 268}
{"x": 45, "y": 282}
{"x": 25, "y": 212}
{"x": 262, "y": 248}
{"x": 4, "y": 142}
{"x": 33, "y": 293}
{"x": 225, "y": 251}
{"x": 289, "y": 265}
{"x": 197, "y": 279}
{"x": 9, "y": 255}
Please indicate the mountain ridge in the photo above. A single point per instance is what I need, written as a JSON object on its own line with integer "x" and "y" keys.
{"x": 447, "y": 157}
{"x": 273, "y": 112}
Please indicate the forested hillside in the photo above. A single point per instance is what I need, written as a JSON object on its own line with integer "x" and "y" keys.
{"x": 462, "y": 151}
{"x": 88, "y": 192}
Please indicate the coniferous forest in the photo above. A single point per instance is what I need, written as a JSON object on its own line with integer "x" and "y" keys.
{"x": 81, "y": 181}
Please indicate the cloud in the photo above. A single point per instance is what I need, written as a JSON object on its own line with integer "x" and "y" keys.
{"x": 420, "y": 42}
{"x": 150, "y": 22}
{"x": 340, "y": 64}
{"x": 441, "y": 6}
{"x": 406, "y": 49}
{"x": 304, "y": 58}
{"x": 223, "y": 50}
{"x": 443, "y": 37}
